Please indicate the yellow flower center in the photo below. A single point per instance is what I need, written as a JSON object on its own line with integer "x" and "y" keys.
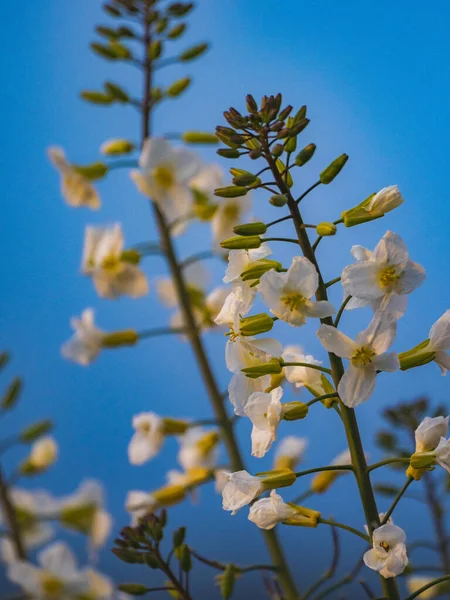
{"x": 294, "y": 301}
{"x": 164, "y": 177}
{"x": 145, "y": 427}
{"x": 363, "y": 356}
{"x": 111, "y": 263}
{"x": 389, "y": 277}
{"x": 385, "y": 546}
{"x": 207, "y": 443}
{"x": 52, "y": 586}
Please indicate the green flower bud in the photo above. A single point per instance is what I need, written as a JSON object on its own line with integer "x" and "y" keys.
{"x": 305, "y": 155}
{"x": 78, "y": 518}
{"x": 417, "y": 356}
{"x": 180, "y": 9}
{"x": 185, "y": 560}
{"x": 177, "y": 31}
{"x": 134, "y": 589}
{"x": 96, "y": 97}
{"x": 178, "y": 87}
{"x": 254, "y": 154}
{"x": 268, "y": 368}
{"x": 277, "y": 478}
{"x": 304, "y": 517}
{"x": 155, "y": 49}
{"x": 326, "y": 228}
{"x": 199, "y": 137}
{"x": 115, "y": 91}
{"x": 178, "y": 536}
{"x": 277, "y": 149}
{"x": 131, "y": 256}
{"x": 230, "y": 191}
{"x": 193, "y": 52}
{"x": 174, "y": 426}
{"x": 242, "y": 242}
{"x": 228, "y": 153}
{"x": 250, "y": 228}
{"x": 293, "y": 411}
{"x": 423, "y": 460}
{"x": 258, "y": 269}
{"x": 11, "y": 395}
{"x": 94, "y": 171}
{"x": 248, "y": 179}
{"x": 126, "y": 337}
{"x": 129, "y": 556}
{"x": 333, "y": 169}
{"x": 4, "y": 359}
{"x": 278, "y": 200}
{"x": 35, "y": 431}
{"x": 256, "y": 324}
{"x": 227, "y": 581}
{"x": 117, "y": 147}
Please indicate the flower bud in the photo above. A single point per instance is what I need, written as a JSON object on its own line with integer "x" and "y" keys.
{"x": 227, "y": 581}
{"x": 326, "y": 228}
{"x": 256, "y": 324}
{"x": 250, "y": 228}
{"x": 11, "y": 394}
{"x": 126, "y": 337}
{"x": 245, "y": 179}
{"x": 199, "y": 137}
{"x": 117, "y": 147}
{"x": 423, "y": 460}
{"x": 93, "y": 171}
{"x": 304, "y": 517}
{"x": 305, "y": 155}
{"x": 176, "y": 88}
{"x": 278, "y": 200}
{"x": 231, "y": 191}
{"x": 242, "y": 242}
{"x": 33, "y": 432}
{"x": 174, "y": 426}
{"x": 277, "y": 478}
{"x": 44, "y": 453}
{"x": 229, "y": 153}
{"x": 131, "y": 256}
{"x": 373, "y": 207}
{"x": 169, "y": 495}
{"x": 273, "y": 366}
{"x": 252, "y": 107}
{"x": 278, "y": 149}
{"x": 417, "y": 356}
{"x": 134, "y": 589}
{"x": 333, "y": 169}
{"x": 258, "y": 269}
{"x": 193, "y": 52}
{"x": 322, "y": 481}
{"x": 416, "y": 474}
{"x": 292, "y": 411}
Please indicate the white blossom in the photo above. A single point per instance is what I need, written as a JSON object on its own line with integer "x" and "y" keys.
{"x": 384, "y": 201}
{"x": 100, "y": 587}
{"x": 388, "y": 553}
{"x": 230, "y": 212}
{"x": 84, "y": 347}
{"x": 268, "y": 512}
{"x": 43, "y": 453}
{"x": 382, "y": 278}
{"x": 440, "y": 341}
{"x": 429, "y": 433}
{"x": 197, "y": 448}
{"x": 264, "y": 410}
{"x": 288, "y": 295}
{"x": 242, "y": 387}
{"x": 75, "y": 188}
{"x": 415, "y": 583}
{"x": 306, "y": 377}
{"x": 104, "y": 261}
{"x": 240, "y": 260}
{"x": 367, "y": 355}
{"x": 147, "y": 439}
{"x": 442, "y": 453}
{"x": 240, "y": 490}
{"x": 139, "y": 504}
{"x": 221, "y": 480}
{"x": 56, "y": 577}
{"x": 165, "y": 175}
{"x": 207, "y": 180}
{"x": 196, "y": 279}
{"x": 290, "y": 452}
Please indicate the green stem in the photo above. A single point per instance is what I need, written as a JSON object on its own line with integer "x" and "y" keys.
{"x": 388, "y": 461}
{"x": 341, "y": 311}
{"x": 360, "y": 534}
{"x": 149, "y": 333}
{"x": 327, "y": 468}
{"x": 324, "y": 397}
{"x": 396, "y": 500}
{"x": 332, "y": 282}
{"x": 307, "y": 365}
{"x": 428, "y": 586}
{"x": 281, "y": 239}
{"x": 9, "y": 515}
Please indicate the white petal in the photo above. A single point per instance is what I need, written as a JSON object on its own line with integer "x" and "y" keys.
{"x": 429, "y": 433}
{"x": 320, "y": 309}
{"x": 261, "y": 441}
{"x": 356, "y": 385}
{"x": 241, "y": 388}
{"x": 187, "y": 164}
{"x": 257, "y": 408}
{"x": 27, "y": 576}
{"x": 396, "y": 563}
{"x": 388, "y": 361}
{"x": 380, "y": 333}
{"x": 154, "y": 152}
{"x": 360, "y": 280}
{"x": 440, "y": 333}
{"x": 373, "y": 561}
{"x": 412, "y": 277}
{"x": 392, "y": 250}
{"x": 238, "y": 261}
{"x": 240, "y": 490}
{"x": 335, "y": 341}
{"x": 302, "y": 277}
{"x": 59, "y": 560}
{"x": 394, "y": 304}
{"x": 361, "y": 253}
{"x": 443, "y": 360}
{"x": 389, "y": 533}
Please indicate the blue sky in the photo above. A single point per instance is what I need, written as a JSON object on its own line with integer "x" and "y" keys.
{"x": 375, "y": 78}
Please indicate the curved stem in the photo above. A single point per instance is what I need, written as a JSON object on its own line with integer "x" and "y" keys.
{"x": 360, "y": 534}
{"x": 396, "y": 500}
{"x": 278, "y": 239}
{"x": 332, "y": 282}
{"x": 327, "y": 468}
{"x": 324, "y": 397}
{"x": 215, "y": 564}
{"x": 307, "y": 365}
{"x": 149, "y": 333}
{"x": 278, "y": 221}
{"x": 310, "y": 189}
{"x": 341, "y": 311}
{"x": 388, "y": 461}
{"x": 428, "y": 586}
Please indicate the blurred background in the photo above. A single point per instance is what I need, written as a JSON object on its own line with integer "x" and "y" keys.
{"x": 375, "y": 78}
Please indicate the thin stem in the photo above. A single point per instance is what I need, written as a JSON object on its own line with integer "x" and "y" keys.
{"x": 316, "y": 243}
{"x": 332, "y": 282}
{"x": 278, "y": 221}
{"x": 341, "y": 311}
{"x": 9, "y": 515}
{"x": 360, "y": 534}
{"x": 396, "y": 500}
{"x": 149, "y": 333}
{"x": 281, "y": 239}
{"x": 215, "y": 564}
{"x": 388, "y": 461}
{"x": 197, "y": 257}
{"x": 310, "y": 189}
{"x": 438, "y": 516}
{"x": 324, "y": 397}
{"x": 428, "y": 586}
{"x": 307, "y": 365}
{"x": 327, "y": 468}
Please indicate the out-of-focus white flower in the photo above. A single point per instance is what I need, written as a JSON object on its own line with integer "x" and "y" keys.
{"x": 288, "y": 295}
{"x": 96, "y": 522}
{"x": 76, "y": 189}
{"x": 323, "y": 480}
{"x": 429, "y": 433}
{"x": 198, "y": 448}
{"x": 100, "y": 587}
{"x": 165, "y": 176}
{"x": 264, "y": 410}
{"x": 440, "y": 341}
{"x": 240, "y": 260}
{"x": 215, "y": 301}
{"x": 44, "y": 452}
{"x": 311, "y": 379}
{"x": 196, "y": 278}
{"x": 230, "y": 212}
{"x": 221, "y": 480}
{"x": 290, "y": 452}
{"x": 415, "y": 583}
{"x": 268, "y": 512}
{"x": 388, "y": 554}
{"x": 147, "y": 439}
{"x": 240, "y": 490}
{"x": 382, "y": 278}
{"x": 139, "y": 504}
{"x": 30, "y": 508}
{"x": 84, "y": 347}
{"x": 104, "y": 259}
{"x": 367, "y": 355}
{"x": 442, "y": 453}
{"x": 56, "y": 577}
{"x": 207, "y": 180}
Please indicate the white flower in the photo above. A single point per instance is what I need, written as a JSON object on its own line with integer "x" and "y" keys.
{"x": 242, "y": 387}
{"x": 380, "y": 277}
{"x": 44, "y": 452}
{"x": 237, "y": 304}
{"x": 290, "y": 452}
{"x": 240, "y": 260}
{"x": 367, "y": 354}
{"x": 89, "y": 495}
{"x": 103, "y": 260}
{"x": 442, "y": 453}
{"x": 148, "y": 438}
{"x": 208, "y": 179}
{"x": 415, "y": 583}
{"x": 264, "y": 411}
{"x": 31, "y": 507}
{"x": 76, "y": 189}
{"x": 240, "y": 490}
{"x": 215, "y": 301}
{"x": 221, "y": 480}
{"x": 100, "y": 587}
{"x": 230, "y": 212}
{"x": 196, "y": 278}
{"x": 197, "y": 448}
{"x": 388, "y": 554}
{"x": 440, "y": 341}
{"x": 429, "y": 433}
{"x": 288, "y": 295}
{"x": 384, "y": 201}
{"x": 165, "y": 175}
{"x": 56, "y": 577}
{"x": 139, "y": 504}
{"x": 311, "y": 379}
{"x": 84, "y": 347}
{"x": 267, "y": 512}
